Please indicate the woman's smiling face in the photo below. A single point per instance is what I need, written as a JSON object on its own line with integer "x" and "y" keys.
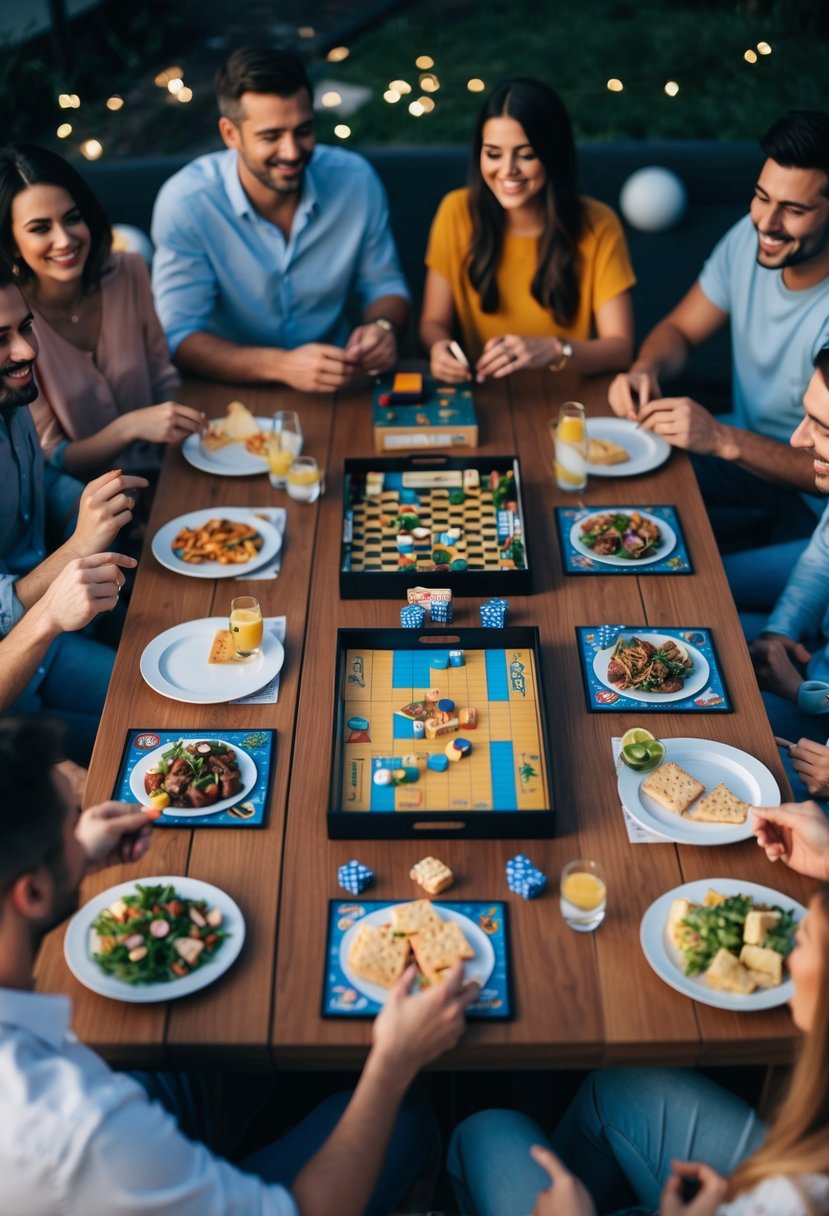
{"x": 50, "y": 234}
{"x": 509, "y": 164}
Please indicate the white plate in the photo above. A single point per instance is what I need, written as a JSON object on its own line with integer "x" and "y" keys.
{"x": 78, "y": 953}
{"x": 165, "y": 555}
{"x": 695, "y": 681}
{"x": 646, "y": 450}
{"x": 247, "y": 773}
{"x": 666, "y": 959}
{"x": 233, "y": 460}
{"x": 710, "y": 762}
{"x": 478, "y": 968}
{"x": 175, "y": 664}
{"x": 666, "y": 545}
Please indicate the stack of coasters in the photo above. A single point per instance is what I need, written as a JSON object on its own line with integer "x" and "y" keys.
{"x": 441, "y": 611}
{"x": 412, "y": 616}
{"x": 523, "y": 878}
{"x": 354, "y": 876}
{"x": 494, "y": 614}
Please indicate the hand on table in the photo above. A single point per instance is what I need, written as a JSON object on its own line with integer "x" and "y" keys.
{"x": 373, "y": 348}
{"x": 444, "y": 366}
{"x": 168, "y": 422}
{"x": 85, "y": 587}
{"x": 774, "y": 657}
{"x": 113, "y": 832}
{"x": 412, "y": 1029}
{"x": 318, "y": 368}
{"x": 797, "y": 834}
{"x": 711, "y": 1193}
{"x": 811, "y": 760}
{"x": 106, "y": 506}
{"x": 511, "y": 353}
{"x": 683, "y": 423}
{"x": 629, "y": 391}
{"x": 567, "y": 1196}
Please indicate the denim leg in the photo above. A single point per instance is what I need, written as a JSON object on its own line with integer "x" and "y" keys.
{"x": 625, "y": 1126}
{"x": 746, "y": 510}
{"x": 413, "y": 1148}
{"x": 757, "y": 577}
{"x": 490, "y": 1166}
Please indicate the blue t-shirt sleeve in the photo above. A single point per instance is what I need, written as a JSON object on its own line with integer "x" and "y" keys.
{"x": 184, "y": 282}
{"x": 715, "y": 278}
{"x": 378, "y": 272}
{"x": 805, "y": 600}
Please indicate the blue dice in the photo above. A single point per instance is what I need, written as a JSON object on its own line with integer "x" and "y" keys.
{"x": 523, "y": 878}
{"x": 441, "y": 611}
{"x": 412, "y": 616}
{"x": 354, "y": 876}
{"x": 494, "y": 614}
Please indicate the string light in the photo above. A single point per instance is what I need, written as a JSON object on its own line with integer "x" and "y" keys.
{"x": 342, "y": 131}
{"x": 671, "y": 88}
{"x": 164, "y": 77}
{"x": 69, "y": 101}
{"x": 175, "y": 85}
{"x": 337, "y": 54}
{"x": 427, "y": 104}
{"x": 416, "y": 109}
{"x": 64, "y": 130}
{"x": 307, "y": 31}
{"x": 331, "y": 99}
{"x": 475, "y": 85}
{"x": 391, "y": 96}
{"x": 400, "y": 86}
{"x": 184, "y": 95}
{"x": 764, "y": 48}
{"x": 425, "y": 62}
{"x": 115, "y": 102}
{"x": 429, "y": 82}
{"x": 92, "y": 149}
{"x": 750, "y": 56}
{"x": 614, "y": 85}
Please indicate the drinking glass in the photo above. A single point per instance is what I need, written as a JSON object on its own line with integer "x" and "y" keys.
{"x": 570, "y": 438}
{"x": 582, "y": 895}
{"x": 284, "y": 445}
{"x": 246, "y": 625}
{"x": 305, "y": 480}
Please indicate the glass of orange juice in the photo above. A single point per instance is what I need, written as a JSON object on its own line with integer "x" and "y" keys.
{"x": 582, "y": 895}
{"x": 283, "y": 446}
{"x": 246, "y": 625}
{"x": 570, "y": 438}
{"x": 305, "y": 480}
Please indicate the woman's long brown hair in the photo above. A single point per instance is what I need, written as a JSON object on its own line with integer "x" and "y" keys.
{"x": 540, "y": 111}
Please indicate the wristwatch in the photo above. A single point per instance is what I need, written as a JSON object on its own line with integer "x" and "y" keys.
{"x": 386, "y": 324}
{"x": 565, "y": 356}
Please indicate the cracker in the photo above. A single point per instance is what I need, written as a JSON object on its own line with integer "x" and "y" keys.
{"x": 223, "y": 649}
{"x": 720, "y": 806}
{"x": 729, "y": 975}
{"x": 766, "y": 966}
{"x": 379, "y": 955}
{"x": 432, "y": 875}
{"x": 672, "y": 787}
{"x": 438, "y": 947}
{"x": 604, "y": 451}
{"x": 412, "y": 917}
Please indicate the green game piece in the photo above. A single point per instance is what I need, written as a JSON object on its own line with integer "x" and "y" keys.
{"x": 456, "y": 497}
{"x": 412, "y": 773}
{"x": 458, "y": 563}
{"x": 441, "y": 557}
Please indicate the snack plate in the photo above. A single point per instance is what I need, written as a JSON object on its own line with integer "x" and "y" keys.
{"x": 78, "y": 954}
{"x": 666, "y": 545}
{"x": 233, "y": 460}
{"x": 711, "y": 763}
{"x": 666, "y": 959}
{"x": 175, "y": 664}
{"x": 247, "y": 772}
{"x": 478, "y": 968}
{"x": 696, "y": 680}
{"x": 164, "y": 554}
{"x": 646, "y": 450}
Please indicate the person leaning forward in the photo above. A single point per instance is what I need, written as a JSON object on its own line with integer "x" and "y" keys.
{"x": 259, "y": 248}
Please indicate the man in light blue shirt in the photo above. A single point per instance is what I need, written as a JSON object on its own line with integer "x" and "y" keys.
{"x": 260, "y": 249}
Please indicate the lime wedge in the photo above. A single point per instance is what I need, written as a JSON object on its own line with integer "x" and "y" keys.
{"x": 642, "y": 757}
{"x": 637, "y": 734}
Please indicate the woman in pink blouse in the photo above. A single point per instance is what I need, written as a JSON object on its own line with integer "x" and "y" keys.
{"x": 104, "y": 372}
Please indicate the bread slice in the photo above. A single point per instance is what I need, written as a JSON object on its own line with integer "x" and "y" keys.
{"x": 766, "y": 966}
{"x": 720, "y": 806}
{"x": 236, "y": 427}
{"x": 672, "y": 787}
{"x": 603, "y": 451}
{"x": 728, "y": 973}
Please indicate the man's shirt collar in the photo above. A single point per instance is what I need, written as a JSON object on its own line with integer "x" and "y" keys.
{"x": 40, "y": 1014}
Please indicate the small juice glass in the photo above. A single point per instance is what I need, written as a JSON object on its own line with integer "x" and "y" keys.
{"x": 284, "y": 445}
{"x": 570, "y": 438}
{"x": 246, "y": 625}
{"x": 305, "y": 480}
{"x": 583, "y": 895}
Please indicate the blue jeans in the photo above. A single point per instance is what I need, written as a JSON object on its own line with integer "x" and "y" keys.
{"x": 619, "y": 1136}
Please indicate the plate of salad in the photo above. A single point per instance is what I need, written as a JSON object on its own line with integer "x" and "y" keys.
{"x": 625, "y": 536}
{"x": 154, "y": 940}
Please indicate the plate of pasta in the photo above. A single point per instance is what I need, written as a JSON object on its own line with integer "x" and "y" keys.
{"x": 216, "y": 543}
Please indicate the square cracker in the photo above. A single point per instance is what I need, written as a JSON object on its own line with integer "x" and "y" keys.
{"x": 433, "y": 875}
{"x": 720, "y": 806}
{"x": 436, "y": 948}
{"x": 379, "y": 955}
{"x": 412, "y": 917}
{"x": 672, "y": 787}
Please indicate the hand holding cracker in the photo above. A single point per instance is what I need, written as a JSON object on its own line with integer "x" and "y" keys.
{"x": 412, "y": 1029}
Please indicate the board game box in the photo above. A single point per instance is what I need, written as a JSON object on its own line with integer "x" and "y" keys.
{"x": 435, "y": 520}
{"x": 441, "y": 416}
{"x": 439, "y": 732}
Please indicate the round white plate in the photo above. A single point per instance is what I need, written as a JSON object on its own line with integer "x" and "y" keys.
{"x": 695, "y": 681}
{"x": 233, "y": 460}
{"x": 164, "y": 554}
{"x": 247, "y": 773}
{"x": 666, "y": 960}
{"x": 175, "y": 664}
{"x": 710, "y": 762}
{"x": 478, "y": 968}
{"x": 77, "y": 944}
{"x": 646, "y": 450}
{"x": 665, "y": 546}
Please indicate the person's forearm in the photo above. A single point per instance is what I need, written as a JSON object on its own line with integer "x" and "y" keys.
{"x": 664, "y": 352}
{"x": 88, "y": 455}
{"x": 31, "y": 586}
{"x": 598, "y": 355}
{"x": 394, "y": 308}
{"x": 432, "y": 332}
{"x": 20, "y": 652}
{"x": 341, "y": 1176}
{"x": 767, "y": 458}
{"x": 203, "y": 354}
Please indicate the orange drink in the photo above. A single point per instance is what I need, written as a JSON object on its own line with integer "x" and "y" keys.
{"x": 305, "y": 483}
{"x": 570, "y": 440}
{"x": 582, "y": 895}
{"x": 246, "y": 625}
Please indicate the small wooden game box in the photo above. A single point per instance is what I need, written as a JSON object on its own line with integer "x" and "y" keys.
{"x": 412, "y": 412}
{"x": 439, "y": 732}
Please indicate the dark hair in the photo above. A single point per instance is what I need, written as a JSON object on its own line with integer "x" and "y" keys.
{"x": 7, "y": 276}
{"x": 24, "y": 165}
{"x": 542, "y": 114}
{"x": 258, "y": 69}
{"x": 821, "y": 363}
{"x": 32, "y": 822}
{"x": 799, "y": 140}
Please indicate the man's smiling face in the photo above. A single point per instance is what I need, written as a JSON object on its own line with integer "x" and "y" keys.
{"x": 813, "y": 433}
{"x": 790, "y": 211}
{"x": 18, "y": 350}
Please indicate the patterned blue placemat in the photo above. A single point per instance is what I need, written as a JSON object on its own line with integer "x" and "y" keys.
{"x": 347, "y": 996}
{"x": 704, "y": 690}
{"x": 247, "y": 811}
{"x": 578, "y": 559}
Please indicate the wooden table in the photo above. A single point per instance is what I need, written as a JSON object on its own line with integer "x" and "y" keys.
{"x": 580, "y": 1000}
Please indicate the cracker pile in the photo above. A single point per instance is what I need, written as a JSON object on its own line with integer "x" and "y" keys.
{"x": 676, "y": 790}
{"x": 381, "y": 953}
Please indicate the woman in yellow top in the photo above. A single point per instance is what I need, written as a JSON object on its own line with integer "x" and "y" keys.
{"x": 524, "y": 270}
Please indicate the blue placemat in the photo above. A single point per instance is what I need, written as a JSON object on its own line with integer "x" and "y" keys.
{"x": 250, "y": 808}
{"x": 342, "y": 997}
{"x": 706, "y": 692}
{"x": 580, "y": 561}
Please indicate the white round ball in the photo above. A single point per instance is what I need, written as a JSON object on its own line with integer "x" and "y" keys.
{"x": 653, "y": 199}
{"x": 126, "y": 238}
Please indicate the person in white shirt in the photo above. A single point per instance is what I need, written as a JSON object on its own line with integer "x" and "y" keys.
{"x": 81, "y": 1140}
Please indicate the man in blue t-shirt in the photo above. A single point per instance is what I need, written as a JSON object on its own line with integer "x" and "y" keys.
{"x": 259, "y": 248}
{"x": 768, "y": 277}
